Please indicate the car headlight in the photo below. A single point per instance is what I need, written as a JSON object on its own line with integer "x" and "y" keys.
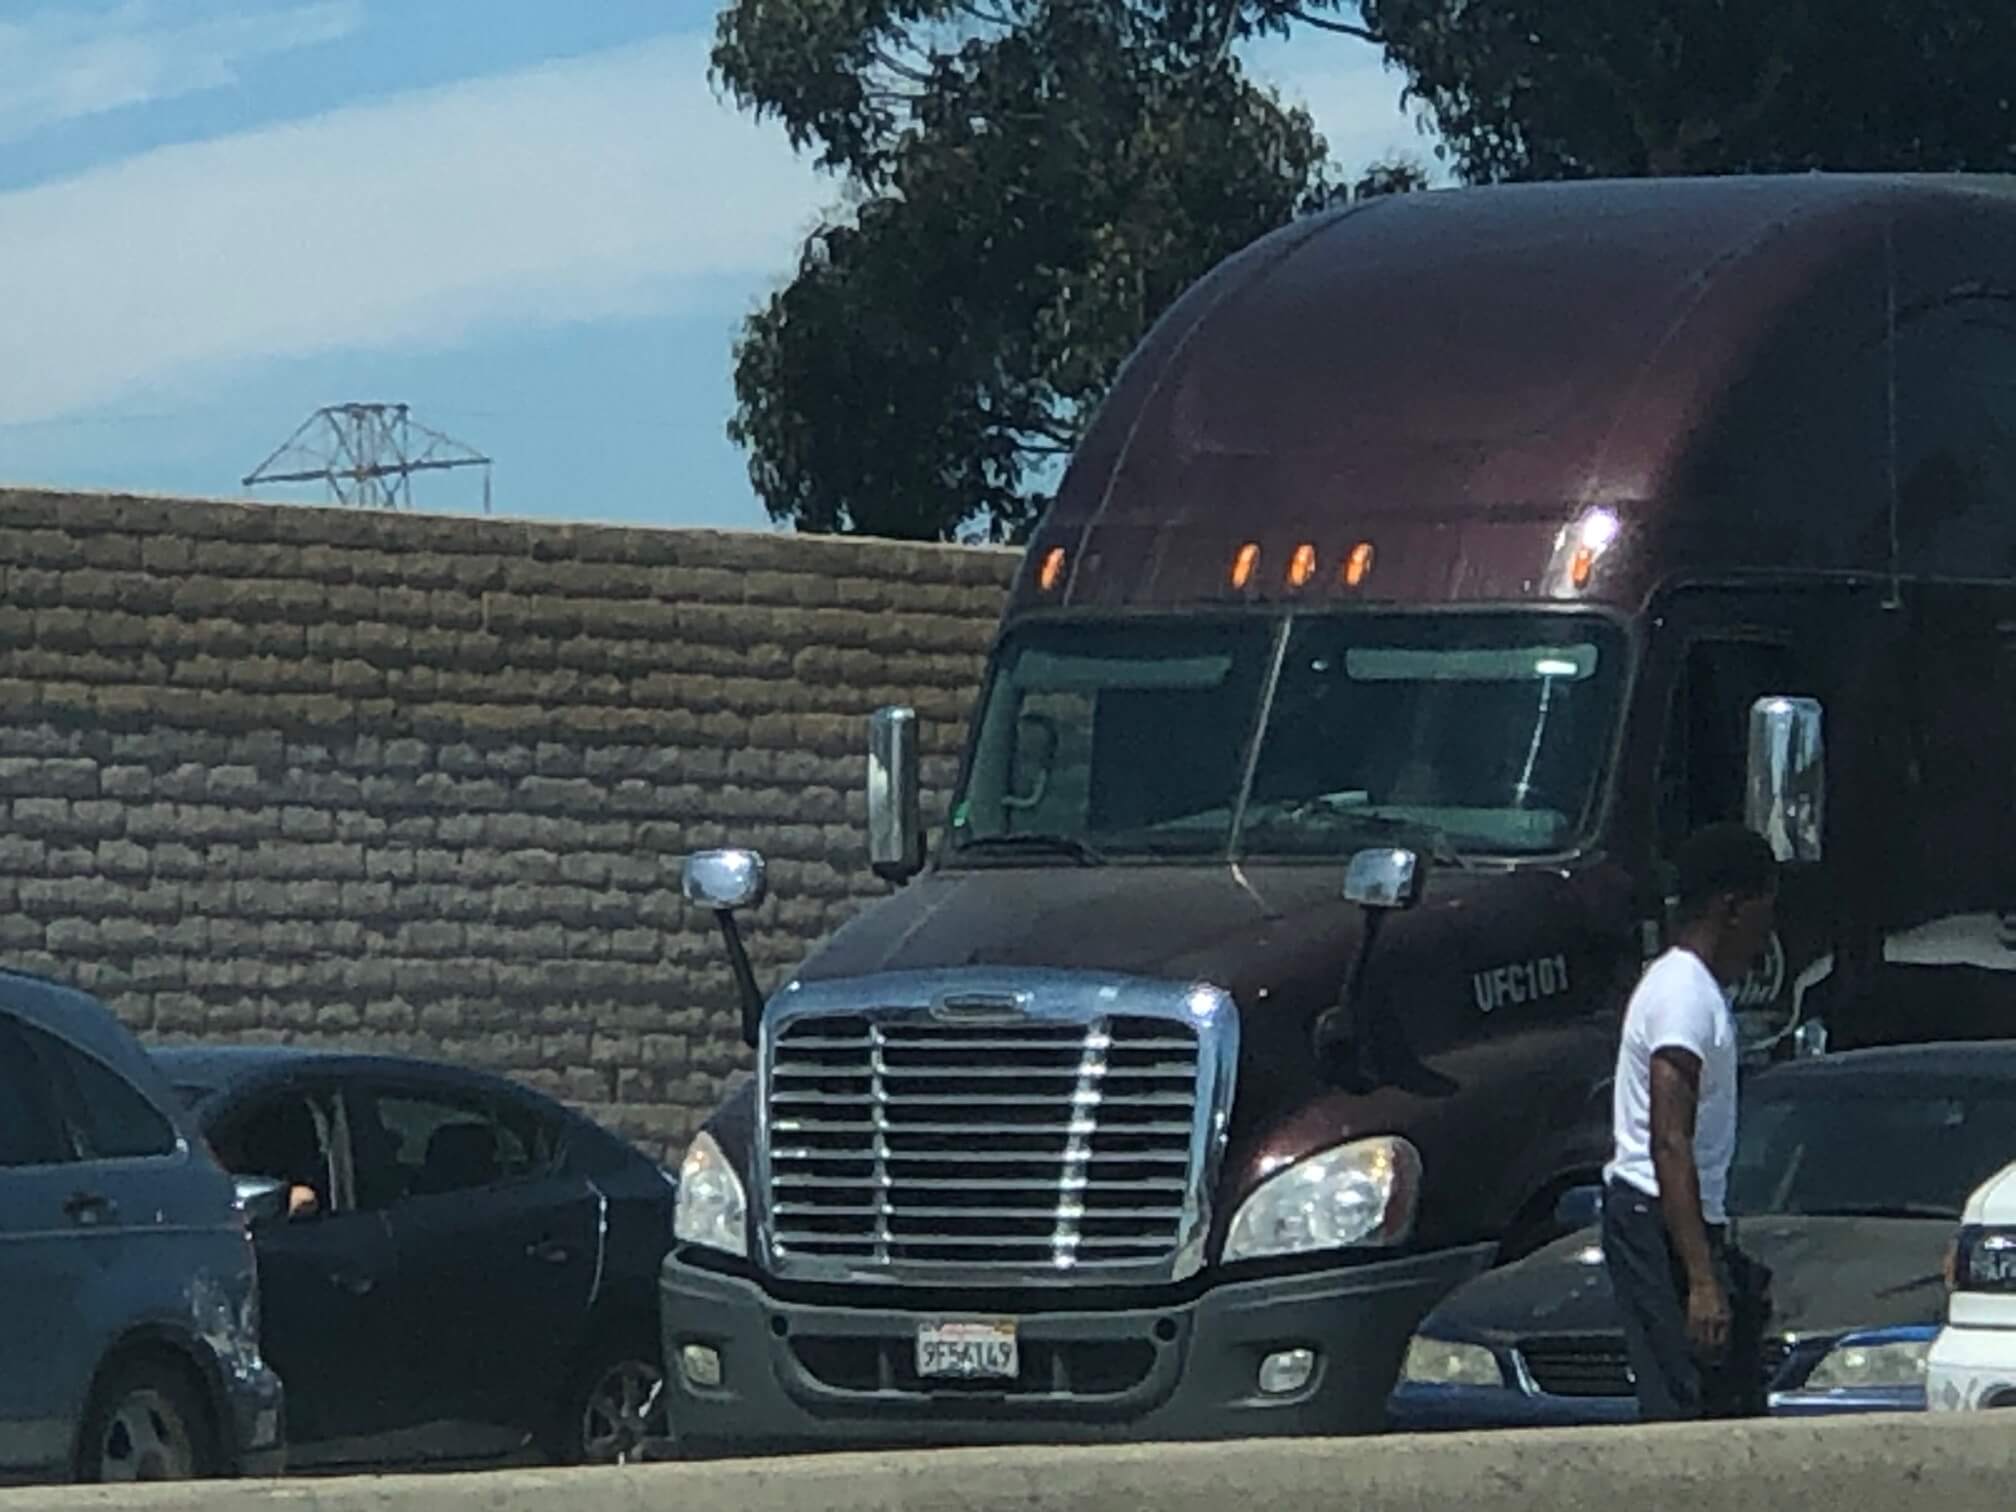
{"x": 1361, "y": 1193}
{"x": 1852, "y": 1366}
{"x": 1444, "y": 1362}
{"x": 1983, "y": 1260}
{"x": 711, "y": 1209}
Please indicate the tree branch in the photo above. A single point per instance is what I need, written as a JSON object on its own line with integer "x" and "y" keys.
{"x": 1324, "y": 23}
{"x": 986, "y": 15}
{"x": 901, "y": 69}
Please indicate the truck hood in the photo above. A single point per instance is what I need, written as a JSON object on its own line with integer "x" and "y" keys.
{"x": 1828, "y": 1275}
{"x": 1212, "y": 923}
{"x": 1498, "y": 975}
{"x": 1276, "y": 933}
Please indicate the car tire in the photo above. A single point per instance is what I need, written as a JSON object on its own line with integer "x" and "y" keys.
{"x": 147, "y": 1420}
{"x": 616, "y": 1411}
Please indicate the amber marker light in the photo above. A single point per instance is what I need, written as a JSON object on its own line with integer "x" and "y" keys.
{"x": 1598, "y": 528}
{"x": 1357, "y": 565}
{"x": 1244, "y": 563}
{"x": 1052, "y": 571}
{"x": 1302, "y": 566}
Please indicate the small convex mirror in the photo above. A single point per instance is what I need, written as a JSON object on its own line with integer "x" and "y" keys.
{"x": 723, "y": 881}
{"x": 1383, "y": 878}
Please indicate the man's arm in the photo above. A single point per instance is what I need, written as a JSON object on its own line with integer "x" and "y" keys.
{"x": 1676, "y": 1093}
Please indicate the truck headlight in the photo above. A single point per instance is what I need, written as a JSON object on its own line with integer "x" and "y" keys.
{"x": 1444, "y": 1362}
{"x": 1853, "y": 1366}
{"x": 712, "y": 1210}
{"x": 1361, "y": 1193}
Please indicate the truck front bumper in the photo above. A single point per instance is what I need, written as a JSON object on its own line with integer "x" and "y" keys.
{"x": 798, "y": 1376}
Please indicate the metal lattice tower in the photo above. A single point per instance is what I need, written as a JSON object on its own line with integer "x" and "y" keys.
{"x": 367, "y": 455}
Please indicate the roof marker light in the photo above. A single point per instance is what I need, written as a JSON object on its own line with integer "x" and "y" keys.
{"x": 1052, "y": 571}
{"x": 1302, "y": 566}
{"x": 1590, "y": 537}
{"x": 1358, "y": 564}
{"x": 1244, "y": 562}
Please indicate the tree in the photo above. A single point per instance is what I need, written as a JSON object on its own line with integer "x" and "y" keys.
{"x": 1525, "y": 89}
{"x": 1034, "y": 182}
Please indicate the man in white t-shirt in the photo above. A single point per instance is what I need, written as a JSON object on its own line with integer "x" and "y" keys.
{"x": 1673, "y": 1117}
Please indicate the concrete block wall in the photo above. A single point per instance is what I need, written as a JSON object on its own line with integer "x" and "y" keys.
{"x": 425, "y": 783}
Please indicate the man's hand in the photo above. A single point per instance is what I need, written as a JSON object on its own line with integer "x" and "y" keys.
{"x": 1708, "y": 1319}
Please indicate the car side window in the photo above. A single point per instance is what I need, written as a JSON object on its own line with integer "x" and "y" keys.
{"x": 31, "y": 1133}
{"x": 424, "y": 1144}
{"x": 109, "y": 1117}
{"x": 284, "y": 1137}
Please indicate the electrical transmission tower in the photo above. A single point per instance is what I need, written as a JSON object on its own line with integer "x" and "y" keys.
{"x": 367, "y": 455}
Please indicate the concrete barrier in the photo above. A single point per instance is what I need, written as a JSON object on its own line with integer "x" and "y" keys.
{"x": 1911, "y": 1463}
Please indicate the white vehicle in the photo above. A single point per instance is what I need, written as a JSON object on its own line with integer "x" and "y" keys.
{"x": 1972, "y": 1366}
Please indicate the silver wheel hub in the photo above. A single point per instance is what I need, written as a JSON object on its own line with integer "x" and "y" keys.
{"x": 146, "y": 1439}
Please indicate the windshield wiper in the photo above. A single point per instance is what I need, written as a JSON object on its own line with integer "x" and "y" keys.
{"x": 1054, "y": 845}
{"x": 1348, "y": 816}
{"x": 1885, "y": 1210}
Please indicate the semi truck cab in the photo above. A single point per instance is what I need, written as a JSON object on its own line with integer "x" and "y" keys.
{"x": 1434, "y": 568}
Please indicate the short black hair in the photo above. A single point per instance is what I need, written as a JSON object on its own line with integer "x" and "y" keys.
{"x": 1722, "y": 859}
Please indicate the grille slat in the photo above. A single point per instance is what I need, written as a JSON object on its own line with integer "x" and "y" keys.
{"x": 1048, "y": 1144}
{"x": 1596, "y": 1365}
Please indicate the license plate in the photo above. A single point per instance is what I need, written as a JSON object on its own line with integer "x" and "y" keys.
{"x": 984, "y": 1350}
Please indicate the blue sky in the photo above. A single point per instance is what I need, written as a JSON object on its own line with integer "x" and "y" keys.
{"x": 531, "y": 220}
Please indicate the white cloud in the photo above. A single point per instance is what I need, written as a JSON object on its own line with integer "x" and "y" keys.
{"x": 62, "y": 64}
{"x": 606, "y": 185}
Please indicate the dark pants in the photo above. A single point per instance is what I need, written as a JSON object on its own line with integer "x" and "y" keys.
{"x": 1650, "y": 1286}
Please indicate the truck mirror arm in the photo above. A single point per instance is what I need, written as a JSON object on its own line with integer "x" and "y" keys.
{"x": 745, "y": 976}
{"x": 1347, "y": 1027}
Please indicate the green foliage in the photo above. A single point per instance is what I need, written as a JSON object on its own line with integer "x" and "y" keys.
{"x": 1034, "y": 181}
{"x": 1526, "y": 89}
{"x": 1035, "y": 185}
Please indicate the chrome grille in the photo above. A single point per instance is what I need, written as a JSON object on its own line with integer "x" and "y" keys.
{"x": 1039, "y": 1142}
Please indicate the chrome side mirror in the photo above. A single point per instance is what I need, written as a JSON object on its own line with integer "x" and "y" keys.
{"x": 723, "y": 881}
{"x": 895, "y": 795}
{"x": 261, "y": 1198}
{"x": 1383, "y": 879}
{"x": 1785, "y": 790}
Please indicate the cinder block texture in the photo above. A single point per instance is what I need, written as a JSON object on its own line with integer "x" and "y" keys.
{"x": 425, "y": 783}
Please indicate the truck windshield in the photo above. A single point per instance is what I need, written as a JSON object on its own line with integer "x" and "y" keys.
{"x": 1482, "y": 733}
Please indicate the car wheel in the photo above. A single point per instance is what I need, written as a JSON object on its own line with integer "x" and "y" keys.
{"x": 146, "y": 1422}
{"x": 618, "y": 1414}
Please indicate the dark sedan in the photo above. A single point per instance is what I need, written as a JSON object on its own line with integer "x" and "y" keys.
{"x": 1850, "y": 1174}
{"x": 470, "y": 1269}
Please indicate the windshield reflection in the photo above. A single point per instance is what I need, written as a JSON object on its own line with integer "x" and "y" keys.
{"x": 1856, "y": 1149}
{"x": 1475, "y": 733}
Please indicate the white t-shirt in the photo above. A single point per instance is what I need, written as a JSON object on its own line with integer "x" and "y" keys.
{"x": 1678, "y": 1004}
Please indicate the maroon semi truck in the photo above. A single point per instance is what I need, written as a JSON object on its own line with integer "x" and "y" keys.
{"x": 1433, "y": 569}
